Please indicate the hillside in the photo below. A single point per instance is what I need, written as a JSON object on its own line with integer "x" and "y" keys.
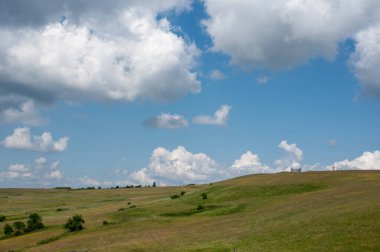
{"x": 314, "y": 211}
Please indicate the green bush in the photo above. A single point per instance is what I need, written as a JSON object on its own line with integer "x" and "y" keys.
{"x": 200, "y": 207}
{"x": 19, "y": 227}
{"x": 183, "y": 193}
{"x": 2, "y": 218}
{"x": 34, "y": 222}
{"x": 75, "y": 223}
{"x": 175, "y": 196}
{"x": 204, "y": 195}
{"x": 8, "y": 230}
{"x": 105, "y": 222}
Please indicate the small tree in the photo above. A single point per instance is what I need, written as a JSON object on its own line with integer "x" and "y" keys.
{"x": 154, "y": 184}
{"x": 35, "y": 222}
{"x": 75, "y": 223}
{"x": 8, "y": 230}
{"x": 204, "y": 195}
{"x": 2, "y": 218}
{"x": 19, "y": 227}
{"x": 183, "y": 193}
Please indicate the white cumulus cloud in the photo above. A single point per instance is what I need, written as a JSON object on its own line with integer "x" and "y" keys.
{"x": 123, "y": 54}
{"x": 168, "y": 121}
{"x": 22, "y": 139}
{"x": 249, "y": 163}
{"x": 178, "y": 166}
{"x": 367, "y": 161}
{"x": 16, "y": 171}
{"x": 284, "y": 33}
{"x": 219, "y": 118}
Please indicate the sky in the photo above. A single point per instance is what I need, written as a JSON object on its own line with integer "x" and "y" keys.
{"x": 106, "y": 93}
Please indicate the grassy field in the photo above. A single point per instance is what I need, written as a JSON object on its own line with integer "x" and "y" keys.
{"x": 314, "y": 211}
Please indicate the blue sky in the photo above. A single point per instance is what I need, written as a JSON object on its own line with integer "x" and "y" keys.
{"x": 185, "y": 91}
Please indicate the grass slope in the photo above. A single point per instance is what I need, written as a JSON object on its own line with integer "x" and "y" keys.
{"x": 314, "y": 211}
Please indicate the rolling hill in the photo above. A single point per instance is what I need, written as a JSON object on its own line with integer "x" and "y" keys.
{"x": 312, "y": 211}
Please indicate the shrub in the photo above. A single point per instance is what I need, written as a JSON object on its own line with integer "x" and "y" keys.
{"x": 129, "y": 203}
{"x": 2, "y": 218}
{"x": 204, "y": 195}
{"x": 154, "y": 184}
{"x": 121, "y": 209}
{"x": 200, "y": 207}
{"x": 19, "y": 227}
{"x": 183, "y": 193}
{"x": 75, "y": 223}
{"x": 35, "y": 222}
{"x": 105, "y": 222}
{"x": 8, "y": 230}
{"x": 175, "y": 196}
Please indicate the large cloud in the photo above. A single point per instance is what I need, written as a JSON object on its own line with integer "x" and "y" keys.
{"x": 96, "y": 52}
{"x": 280, "y": 34}
{"x": 22, "y": 139}
{"x": 178, "y": 167}
{"x": 284, "y": 33}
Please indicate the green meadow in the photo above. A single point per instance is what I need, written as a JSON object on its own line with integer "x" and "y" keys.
{"x": 311, "y": 211}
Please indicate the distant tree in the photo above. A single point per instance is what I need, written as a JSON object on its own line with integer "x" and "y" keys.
{"x": 204, "y": 195}
{"x": 154, "y": 184}
{"x": 99, "y": 187}
{"x": 75, "y": 223}
{"x": 2, "y": 218}
{"x": 8, "y": 230}
{"x": 19, "y": 227}
{"x": 34, "y": 222}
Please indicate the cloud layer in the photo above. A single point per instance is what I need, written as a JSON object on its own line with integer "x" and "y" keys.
{"x": 22, "y": 139}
